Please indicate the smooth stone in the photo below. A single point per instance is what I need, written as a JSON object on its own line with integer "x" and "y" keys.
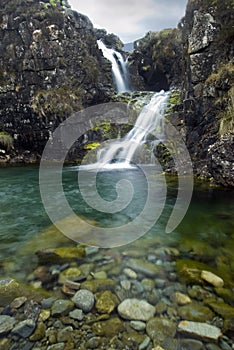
{"x": 108, "y": 328}
{"x": 24, "y": 328}
{"x": 212, "y": 347}
{"x": 191, "y": 344}
{"x": 211, "y": 278}
{"x": 65, "y": 334}
{"x": 146, "y": 268}
{"x": 90, "y": 250}
{"x": 60, "y": 255}
{"x": 182, "y": 299}
{"x": 6, "y": 324}
{"x": 144, "y": 344}
{"x": 160, "y": 330}
{"x": 44, "y": 315}
{"x": 5, "y": 344}
{"x": 134, "y": 309}
{"x": 125, "y": 284}
{"x": 130, "y": 273}
{"x": 106, "y": 302}
{"x": 160, "y": 283}
{"x": 58, "y": 346}
{"x": 100, "y": 275}
{"x": 18, "y": 302}
{"x": 76, "y": 315}
{"x": 84, "y": 300}
{"x": 228, "y": 327}
{"x": 195, "y": 312}
{"x": 61, "y": 307}
{"x": 148, "y": 284}
{"x": 201, "y": 330}
{"x": 226, "y": 294}
{"x": 138, "y": 325}
{"x": 69, "y": 274}
{"x": 99, "y": 285}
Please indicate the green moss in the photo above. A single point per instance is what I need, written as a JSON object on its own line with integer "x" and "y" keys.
{"x": 61, "y": 101}
{"x": 227, "y": 117}
{"x": 91, "y": 146}
{"x": 6, "y": 140}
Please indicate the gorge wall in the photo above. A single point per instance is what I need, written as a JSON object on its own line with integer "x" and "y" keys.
{"x": 50, "y": 67}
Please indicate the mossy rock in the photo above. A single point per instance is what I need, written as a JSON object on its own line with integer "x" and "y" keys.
{"x": 99, "y": 285}
{"x": 106, "y": 302}
{"x": 109, "y": 328}
{"x": 6, "y": 140}
{"x": 11, "y": 289}
{"x": 224, "y": 310}
{"x": 60, "y": 255}
{"x": 189, "y": 272}
{"x": 195, "y": 312}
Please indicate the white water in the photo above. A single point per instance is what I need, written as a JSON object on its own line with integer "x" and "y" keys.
{"x": 149, "y": 122}
{"x": 119, "y": 67}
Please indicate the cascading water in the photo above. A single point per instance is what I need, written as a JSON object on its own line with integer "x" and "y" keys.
{"x": 119, "y": 67}
{"x": 149, "y": 122}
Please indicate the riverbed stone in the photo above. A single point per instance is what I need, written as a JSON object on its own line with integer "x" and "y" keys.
{"x": 68, "y": 274}
{"x": 39, "y": 332}
{"x": 61, "y": 307}
{"x": 160, "y": 330}
{"x": 224, "y": 310}
{"x": 106, "y": 302}
{"x": 99, "y": 285}
{"x": 191, "y": 344}
{"x": 130, "y": 273}
{"x": 200, "y": 330}
{"x": 108, "y": 328}
{"x": 146, "y": 268}
{"x": 84, "y": 300}
{"x": 60, "y": 255}
{"x": 181, "y": 299}
{"x": 138, "y": 325}
{"x": 99, "y": 275}
{"x": 134, "y": 309}
{"x": 195, "y": 312}
{"x": 6, "y": 324}
{"x": 18, "y": 302}
{"x": 211, "y": 278}
{"x": 76, "y": 314}
{"x": 24, "y": 328}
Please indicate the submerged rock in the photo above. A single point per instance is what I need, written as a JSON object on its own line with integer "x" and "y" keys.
{"x": 200, "y": 330}
{"x": 134, "y": 309}
{"x": 6, "y": 324}
{"x": 160, "y": 330}
{"x": 84, "y": 300}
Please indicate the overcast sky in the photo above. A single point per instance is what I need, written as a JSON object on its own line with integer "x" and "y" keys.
{"x": 131, "y": 19}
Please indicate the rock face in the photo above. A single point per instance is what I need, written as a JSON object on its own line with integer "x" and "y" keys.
{"x": 50, "y": 67}
{"x": 197, "y": 58}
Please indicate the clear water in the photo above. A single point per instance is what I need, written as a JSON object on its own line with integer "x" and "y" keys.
{"x": 22, "y": 216}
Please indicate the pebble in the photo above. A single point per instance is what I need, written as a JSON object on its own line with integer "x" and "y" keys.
{"x": 125, "y": 284}
{"x": 138, "y": 325}
{"x": 130, "y": 273}
{"x": 147, "y": 268}
{"x": 134, "y": 309}
{"x": 200, "y": 330}
{"x": 61, "y": 307}
{"x": 84, "y": 300}
{"x": 191, "y": 344}
{"x": 160, "y": 329}
{"x": 211, "y": 278}
{"x": 182, "y": 299}
{"x": 99, "y": 275}
{"x": 18, "y": 302}
{"x": 77, "y": 314}
{"x": 24, "y": 328}
{"x": 144, "y": 344}
{"x": 6, "y": 324}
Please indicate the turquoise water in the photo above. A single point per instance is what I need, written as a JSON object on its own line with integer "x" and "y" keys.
{"x": 22, "y": 216}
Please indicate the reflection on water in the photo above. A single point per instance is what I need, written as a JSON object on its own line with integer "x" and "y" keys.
{"x": 209, "y": 218}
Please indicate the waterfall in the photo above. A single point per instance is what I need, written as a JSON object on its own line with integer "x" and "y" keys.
{"x": 119, "y": 67}
{"x": 150, "y": 122}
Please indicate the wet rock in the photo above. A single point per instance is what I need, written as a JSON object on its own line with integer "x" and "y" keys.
{"x": 77, "y": 314}
{"x": 65, "y": 334}
{"x": 134, "y": 309}
{"x": 144, "y": 344}
{"x": 58, "y": 346}
{"x": 160, "y": 330}
{"x": 69, "y": 274}
{"x": 94, "y": 343}
{"x": 39, "y": 332}
{"x": 99, "y": 285}
{"x": 6, "y": 324}
{"x": 222, "y": 309}
{"x": 84, "y": 300}
{"x": 100, "y": 275}
{"x": 211, "y": 278}
{"x": 24, "y": 328}
{"x": 125, "y": 284}
{"x": 144, "y": 267}
{"x": 191, "y": 344}
{"x": 130, "y": 273}
{"x": 226, "y": 294}
{"x": 181, "y": 299}
{"x": 18, "y": 302}
{"x": 4, "y": 344}
{"x": 200, "y": 330}
{"x": 60, "y": 255}
{"x": 195, "y": 312}
{"x": 106, "y": 302}
{"x": 109, "y": 328}
{"x": 61, "y": 307}
{"x": 138, "y": 325}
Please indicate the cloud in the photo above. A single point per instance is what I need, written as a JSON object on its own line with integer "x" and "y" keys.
{"x": 131, "y": 19}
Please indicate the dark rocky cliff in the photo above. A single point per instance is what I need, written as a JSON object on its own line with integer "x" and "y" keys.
{"x": 197, "y": 58}
{"x": 50, "y": 67}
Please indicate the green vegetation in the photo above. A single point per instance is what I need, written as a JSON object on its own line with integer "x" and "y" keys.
{"x": 61, "y": 101}
{"x": 6, "y": 140}
{"x": 227, "y": 117}
{"x": 92, "y": 146}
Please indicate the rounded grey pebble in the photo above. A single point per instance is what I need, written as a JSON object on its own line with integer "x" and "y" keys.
{"x": 84, "y": 300}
